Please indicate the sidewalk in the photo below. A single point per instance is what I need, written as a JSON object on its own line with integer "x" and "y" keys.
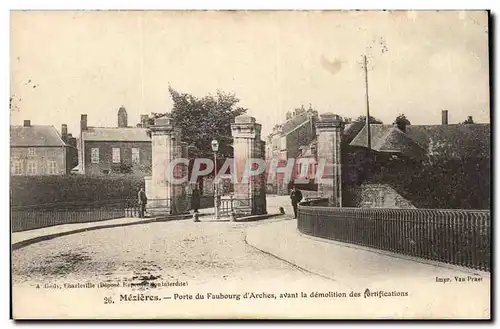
{"x": 21, "y": 239}
{"x": 396, "y": 286}
{"x": 353, "y": 266}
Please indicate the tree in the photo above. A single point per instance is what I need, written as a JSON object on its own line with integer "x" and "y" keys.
{"x": 402, "y": 120}
{"x": 204, "y": 119}
{"x": 362, "y": 118}
{"x": 469, "y": 121}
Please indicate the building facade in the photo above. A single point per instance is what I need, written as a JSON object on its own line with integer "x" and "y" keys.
{"x": 285, "y": 143}
{"x": 41, "y": 150}
{"x": 115, "y": 150}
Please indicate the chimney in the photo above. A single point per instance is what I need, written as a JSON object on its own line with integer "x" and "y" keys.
{"x": 444, "y": 117}
{"x": 64, "y": 132}
{"x": 27, "y": 123}
{"x": 122, "y": 117}
{"x": 83, "y": 122}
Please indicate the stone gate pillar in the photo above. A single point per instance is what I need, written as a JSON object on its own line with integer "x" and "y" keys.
{"x": 329, "y": 129}
{"x": 249, "y": 194}
{"x": 161, "y": 192}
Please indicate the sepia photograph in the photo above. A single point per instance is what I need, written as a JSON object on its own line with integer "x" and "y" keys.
{"x": 250, "y": 164}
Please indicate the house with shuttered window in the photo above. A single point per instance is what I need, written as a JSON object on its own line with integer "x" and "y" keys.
{"x": 115, "y": 150}
{"x": 40, "y": 150}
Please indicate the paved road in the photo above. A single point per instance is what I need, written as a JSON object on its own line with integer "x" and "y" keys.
{"x": 201, "y": 252}
{"x": 207, "y": 257}
{"x": 177, "y": 259}
{"x": 198, "y": 252}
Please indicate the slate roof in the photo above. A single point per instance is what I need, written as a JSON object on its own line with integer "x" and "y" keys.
{"x": 351, "y": 130}
{"x": 293, "y": 123}
{"x": 442, "y": 141}
{"x": 453, "y": 140}
{"x": 129, "y": 134}
{"x": 35, "y": 135}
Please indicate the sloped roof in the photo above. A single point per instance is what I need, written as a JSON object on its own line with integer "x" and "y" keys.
{"x": 293, "y": 123}
{"x": 351, "y": 130}
{"x": 387, "y": 138}
{"x": 453, "y": 140}
{"x": 443, "y": 141}
{"x": 129, "y": 134}
{"x": 35, "y": 135}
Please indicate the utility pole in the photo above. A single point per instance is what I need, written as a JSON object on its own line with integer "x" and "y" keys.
{"x": 368, "y": 130}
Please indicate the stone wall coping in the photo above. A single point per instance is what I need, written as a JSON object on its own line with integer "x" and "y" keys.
{"x": 244, "y": 119}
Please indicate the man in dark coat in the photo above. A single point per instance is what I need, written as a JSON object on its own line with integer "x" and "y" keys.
{"x": 295, "y": 196}
{"x": 195, "y": 199}
{"x": 143, "y": 201}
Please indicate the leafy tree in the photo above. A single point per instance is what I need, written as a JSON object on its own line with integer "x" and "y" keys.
{"x": 469, "y": 121}
{"x": 204, "y": 119}
{"x": 362, "y": 118}
{"x": 401, "y": 121}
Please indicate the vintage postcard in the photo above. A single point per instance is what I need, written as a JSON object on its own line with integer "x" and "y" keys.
{"x": 250, "y": 164}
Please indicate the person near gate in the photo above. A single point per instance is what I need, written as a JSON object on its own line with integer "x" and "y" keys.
{"x": 296, "y": 197}
{"x": 195, "y": 199}
{"x": 143, "y": 200}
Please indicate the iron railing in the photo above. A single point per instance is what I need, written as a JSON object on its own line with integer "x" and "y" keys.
{"x": 232, "y": 206}
{"x": 460, "y": 237}
{"x": 181, "y": 204}
{"x": 44, "y": 215}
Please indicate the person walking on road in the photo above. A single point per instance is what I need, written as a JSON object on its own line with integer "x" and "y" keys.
{"x": 295, "y": 196}
{"x": 143, "y": 200}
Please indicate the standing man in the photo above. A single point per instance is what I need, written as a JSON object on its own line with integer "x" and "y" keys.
{"x": 195, "y": 199}
{"x": 143, "y": 200}
{"x": 295, "y": 196}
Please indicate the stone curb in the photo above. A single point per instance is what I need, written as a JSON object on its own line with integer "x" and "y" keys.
{"x": 255, "y": 217}
{"x": 41, "y": 238}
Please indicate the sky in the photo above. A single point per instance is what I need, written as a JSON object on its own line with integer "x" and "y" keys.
{"x": 65, "y": 63}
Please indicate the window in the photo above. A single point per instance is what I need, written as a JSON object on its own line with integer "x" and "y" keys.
{"x": 136, "y": 156}
{"x": 31, "y": 151}
{"x": 283, "y": 143}
{"x": 31, "y": 168}
{"x": 18, "y": 167}
{"x": 116, "y": 155}
{"x": 52, "y": 168}
{"x": 94, "y": 154}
